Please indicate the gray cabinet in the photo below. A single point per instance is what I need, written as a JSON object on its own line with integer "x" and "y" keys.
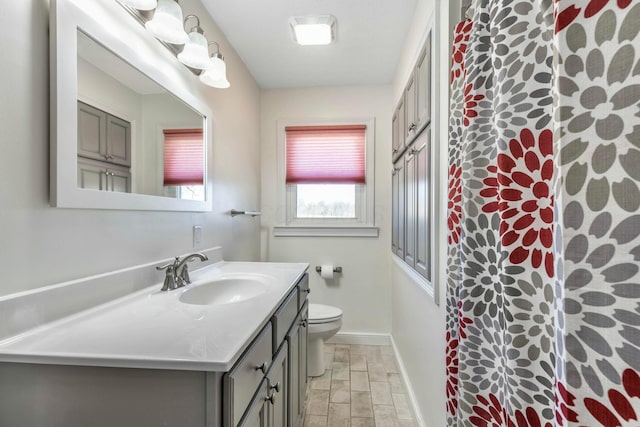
{"x": 413, "y": 112}
{"x": 411, "y": 176}
{"x": 95, "y": 175}
{"x": 102, "y": 136}
{"x": 266, "y": 386}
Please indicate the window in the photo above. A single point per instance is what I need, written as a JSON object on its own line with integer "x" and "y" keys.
{"x": 326, "y": 175}
{"x": 184, "y": 163}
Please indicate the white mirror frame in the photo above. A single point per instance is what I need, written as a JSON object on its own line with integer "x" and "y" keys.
{"x": 112, "y": 26}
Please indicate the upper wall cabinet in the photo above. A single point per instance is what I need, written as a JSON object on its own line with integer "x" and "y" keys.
{"x": 413, "y": 113}
{"x": 102, "y": 136}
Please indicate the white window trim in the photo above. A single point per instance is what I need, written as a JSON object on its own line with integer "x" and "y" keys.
{"x": 361, "y": 226}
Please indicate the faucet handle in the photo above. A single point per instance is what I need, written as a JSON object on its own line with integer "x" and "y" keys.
{"x": 169, "y": 278}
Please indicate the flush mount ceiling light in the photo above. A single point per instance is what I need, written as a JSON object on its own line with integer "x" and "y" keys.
{"x": 141, "y": 4}
{"x": 313, "y": 30}
{"x": 195, "y": 53}
{"x": 167, "y": 23}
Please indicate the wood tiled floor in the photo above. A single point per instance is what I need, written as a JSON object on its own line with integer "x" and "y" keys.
{"x": 360, "y": 388}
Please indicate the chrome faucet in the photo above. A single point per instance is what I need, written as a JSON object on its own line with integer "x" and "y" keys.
{"x": 177, "y": 273}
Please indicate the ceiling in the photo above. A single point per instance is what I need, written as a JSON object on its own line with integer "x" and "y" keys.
{"x": 370, "y": 36}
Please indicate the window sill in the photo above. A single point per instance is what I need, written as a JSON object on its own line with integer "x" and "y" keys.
{"x": 422, "y": 283}
{"x": 323, "y": 231}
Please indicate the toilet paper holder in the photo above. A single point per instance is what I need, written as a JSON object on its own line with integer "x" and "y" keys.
{"x": 335, "y": 269}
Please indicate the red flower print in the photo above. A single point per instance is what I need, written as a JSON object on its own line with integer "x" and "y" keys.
{"x": 470, "y": 102}
{"x": 452, "y": 374}
{"x": 564, "y": 401}
{"x": 596, "y": 6}
{"x": 454, "y": 204}
{"x": 494, "y": 415}
{"x": 520, "y": 188}
{"x": 566, "y": 17}
{"x": 460, "y": 41}
{"x": 619, "y": 406}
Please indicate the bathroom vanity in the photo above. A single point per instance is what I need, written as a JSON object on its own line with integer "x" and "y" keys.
{"x": 228, "y": 350}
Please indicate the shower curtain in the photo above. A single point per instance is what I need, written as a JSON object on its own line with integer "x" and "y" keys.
{"x": 543, "y": 286}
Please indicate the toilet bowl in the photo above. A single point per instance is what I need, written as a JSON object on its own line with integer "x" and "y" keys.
{"x": 324, "y": 322}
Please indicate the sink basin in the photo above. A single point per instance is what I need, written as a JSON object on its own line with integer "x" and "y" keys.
{"x": 224, "y": 291}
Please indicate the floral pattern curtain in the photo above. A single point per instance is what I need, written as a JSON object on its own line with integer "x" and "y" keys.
{"x": 543, "y": 291}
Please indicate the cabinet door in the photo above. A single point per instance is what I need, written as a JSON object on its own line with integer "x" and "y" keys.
{"x": 118, "y": 179}
{"x": 277, "y": 387}
{"x": 118, "y": 148}
{"x": 422, "y": 200}
{"x": 410, "y": 207}
{"x": 395, "y": 135}
{"x": 92, "y": 131}
{"x": 402, "y": 124}
{"x": 400, "y": 206}
{"x": 257, "y": 414}
{"x": 423, "y": 87}
{"x": 303, "y": 361}
{"x": 395, "y": 190}
{"x": 91, "y": 175}
{"x": 295, "y": 404}
{"x": 410, "y": 110}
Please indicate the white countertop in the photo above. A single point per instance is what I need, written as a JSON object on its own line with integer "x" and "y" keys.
{"x": 153, "y": 329}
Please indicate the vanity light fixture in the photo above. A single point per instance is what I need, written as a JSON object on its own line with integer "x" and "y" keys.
{"x": 167, "y": 26}
{"x": 141, "y": 4}
{"x": 195, "y": 53}
{"x": 216, "y": 73}
{"x": 166, "y": 23}
{"x": 313, "y": 30}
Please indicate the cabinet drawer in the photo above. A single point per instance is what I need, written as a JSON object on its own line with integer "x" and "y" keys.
{"x": 284, "y": 317}
{"x": 303, "y": 290}
{"x": 241, "y": 382}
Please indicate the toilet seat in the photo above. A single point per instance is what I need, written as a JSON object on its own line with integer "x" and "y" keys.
{"x": 320, "y": 313}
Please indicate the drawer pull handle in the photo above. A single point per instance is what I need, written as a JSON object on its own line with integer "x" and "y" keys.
{"x": 308, "y": 291}
{"x": 262, "y": 367}
{"x": 303, "y": 323}
{"x": 271, "y": 398}
{"x": 276, "y": 387}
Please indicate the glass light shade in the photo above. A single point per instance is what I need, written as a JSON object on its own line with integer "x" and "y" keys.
{"x": 167, "y": 23}
{"x": 216, "y": 74}
{"x": 141, "y": 4}
{"x": 195, "y": 53}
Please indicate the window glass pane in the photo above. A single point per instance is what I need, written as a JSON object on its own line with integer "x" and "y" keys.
{"x": 326, "y": 201}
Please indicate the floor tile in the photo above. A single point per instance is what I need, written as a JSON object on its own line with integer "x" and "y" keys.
{"x": 318, "y": 402}
{"x": 361, "y": 404}
{"x": 396, "y": 383}
{"x": 362, "y": 422}
{"x": 358, "y": 362}
{"x": 389, "y": 363}
{"x": 340, "y": 371}
{"x": 328, "y": 359}
{"x": 359, "y": 381}
{"x": 341, "y": 355}
{"x": 340, "y": 391}
{"x": 385, "y": 416}
{"x": 315, "y": 421}
{"x": 339, "y": 415}
{"x": 357, "y": 349}
{"x": 322, "y": 382}
{"x": 377, "y": 372}
{"x": 380, "y": 393}
{"x": 402, "y": 406}
{"x": 407, "y": 423}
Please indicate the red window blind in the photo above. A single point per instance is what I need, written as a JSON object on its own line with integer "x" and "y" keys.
{"x": 325, "y": 154}
{"x": 183, "y": 157}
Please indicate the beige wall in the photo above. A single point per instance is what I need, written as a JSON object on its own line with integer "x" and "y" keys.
{"x": 362, "y": 291}
{"x": 418, "y": 325}
{"x": 40, "y": 245}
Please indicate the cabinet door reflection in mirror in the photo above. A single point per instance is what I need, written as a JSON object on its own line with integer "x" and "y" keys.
{"x": 133, "y": 135}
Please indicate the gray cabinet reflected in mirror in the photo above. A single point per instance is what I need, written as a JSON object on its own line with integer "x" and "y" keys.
{"x": 123, "y": 121}
{"x": 131, "y": 128}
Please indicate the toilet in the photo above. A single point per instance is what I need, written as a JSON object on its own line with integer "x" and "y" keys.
{"x": 324, "y": 322}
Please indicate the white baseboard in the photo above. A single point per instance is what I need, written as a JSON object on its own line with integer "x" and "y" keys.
{"x": 407, "y": 384}
{"x": 360, "y": 338}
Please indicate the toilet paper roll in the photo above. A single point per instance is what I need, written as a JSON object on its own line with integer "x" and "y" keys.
{"x": 326, "y": 271}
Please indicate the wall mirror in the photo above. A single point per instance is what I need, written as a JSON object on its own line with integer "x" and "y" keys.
{"x": 130, "y": 127}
